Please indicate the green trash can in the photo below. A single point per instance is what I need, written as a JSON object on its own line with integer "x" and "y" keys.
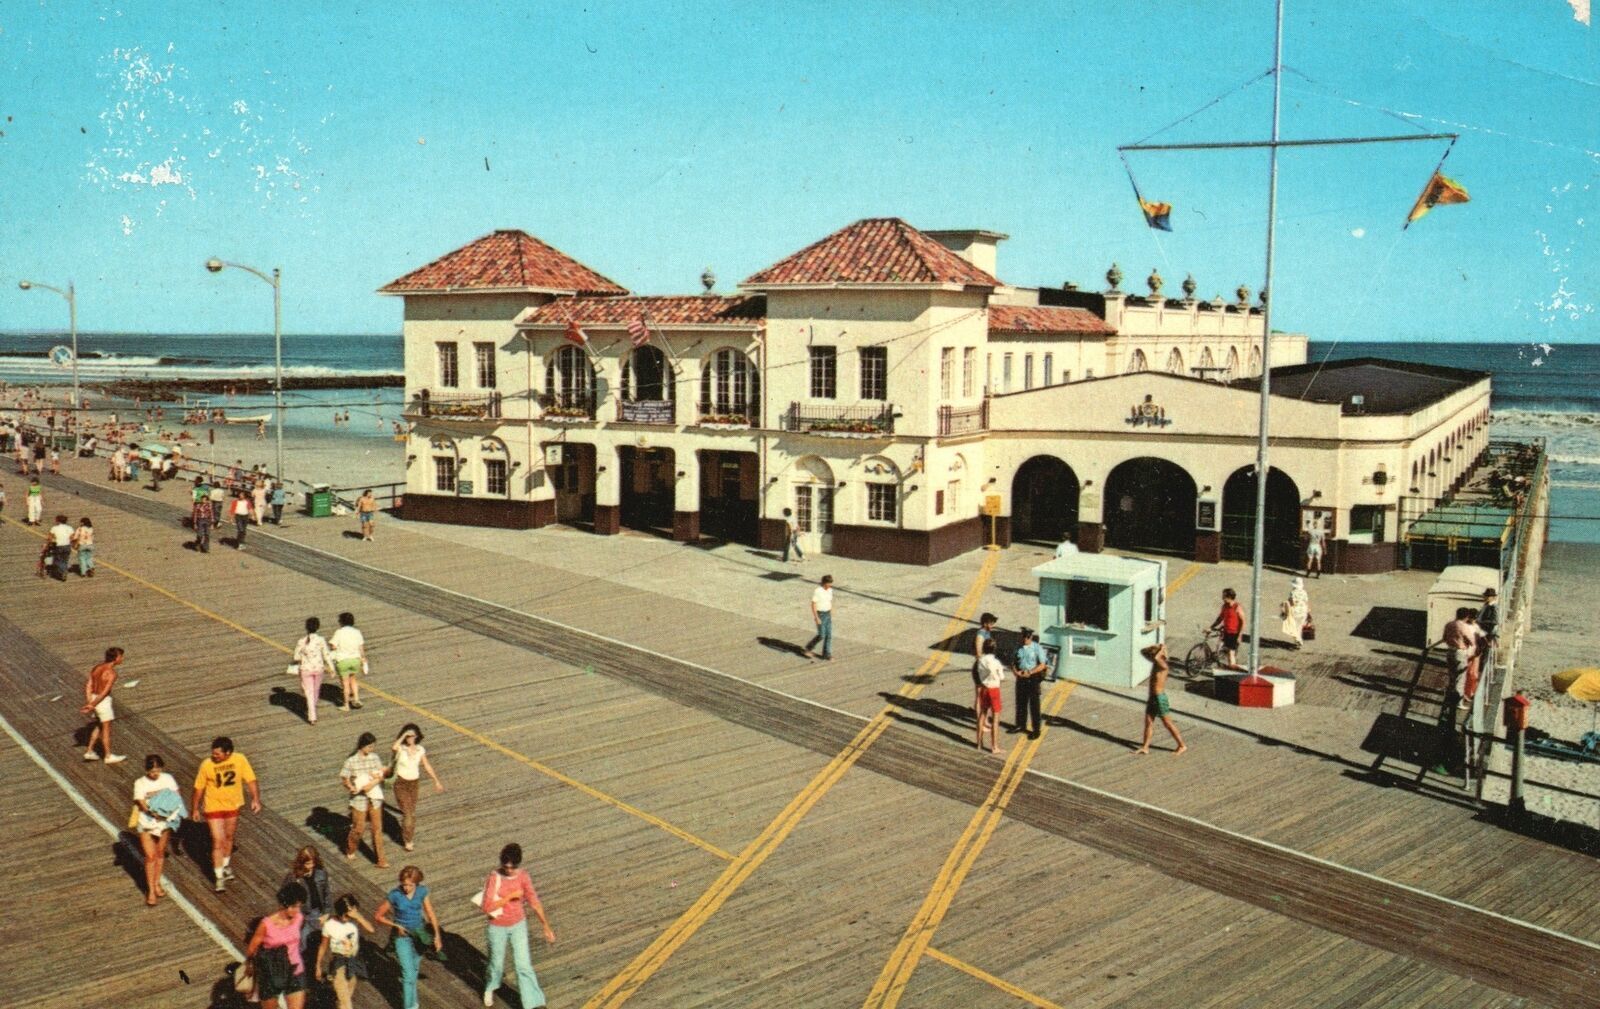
{"x": 319, "y": 503}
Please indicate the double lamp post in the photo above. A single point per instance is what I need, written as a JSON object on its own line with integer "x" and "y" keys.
{"x": 216, "y": 265}
{"x": 72, "y": 323}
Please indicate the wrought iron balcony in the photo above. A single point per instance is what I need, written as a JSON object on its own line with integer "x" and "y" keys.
{"x": 840, "y": 421}
{"x": 963, "y": 420}
{"x": 465, "y": 406}
{"x": 567, "y": 406}
{"x": 647, "y": 411}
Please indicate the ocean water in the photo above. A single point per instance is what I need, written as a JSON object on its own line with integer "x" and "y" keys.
{"x": 1541, "y": 390}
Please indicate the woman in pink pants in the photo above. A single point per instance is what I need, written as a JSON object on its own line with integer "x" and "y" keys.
{"x": 312, "y": 655}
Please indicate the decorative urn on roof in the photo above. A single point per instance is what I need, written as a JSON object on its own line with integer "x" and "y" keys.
{"x": 1189, "y": 286}
{"x": 1243, "y": 294}
{"x": 1155, "y": 282}
{"x": 1263, "y": 297}
{"x": 708, "y": 280}
{"x": 1114, "y": 276}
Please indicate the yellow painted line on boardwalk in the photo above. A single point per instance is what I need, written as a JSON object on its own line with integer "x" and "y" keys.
{"x": 891, "y": 983}
{"x": 477, "y": 737}
{"x": 915, "y": 942}
{"x": 990, "y": 979}
{"x": 621, "y": 987}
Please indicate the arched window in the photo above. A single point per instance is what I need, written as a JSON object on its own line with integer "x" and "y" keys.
{"x": 1255, "y": 361}
{"x": 569, "y": 377}
{"x": 1175, "y": 362}
{"x": 1207, "y": 362}
{"x": 1138, "y": 362}
{"x": 646, "y": 376}
{"x": 729, "y": 386}
{"x": 1230, "y": 369}
{"x": 882, "y": 481}
{"x": 496, "y": 467}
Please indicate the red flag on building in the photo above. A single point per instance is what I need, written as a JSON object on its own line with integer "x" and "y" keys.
{"x": 639, "y": 332}
{"x": 577, "y": 335}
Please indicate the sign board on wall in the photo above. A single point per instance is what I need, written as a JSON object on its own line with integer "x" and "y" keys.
{"x": 463, "y": 487}
{"x": 552, "y": 455}
{"x": 1205, "y": 514}
{"x": 991, "y": 504}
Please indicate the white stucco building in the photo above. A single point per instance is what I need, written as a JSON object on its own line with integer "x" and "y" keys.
{"x": 882, "y": 384}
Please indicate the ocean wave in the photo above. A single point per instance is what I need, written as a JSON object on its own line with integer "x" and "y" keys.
{"x": 156, "y": 368}
{"x": 1576, "y": 484}
{"x": 1562, "y": 458}
{"x": 1547, "y": 417}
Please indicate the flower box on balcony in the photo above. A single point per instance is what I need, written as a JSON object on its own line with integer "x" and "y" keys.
{"x": 724, "y": 422}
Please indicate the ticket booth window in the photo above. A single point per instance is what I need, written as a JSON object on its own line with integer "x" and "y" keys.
{"x": 1089, "y": 604}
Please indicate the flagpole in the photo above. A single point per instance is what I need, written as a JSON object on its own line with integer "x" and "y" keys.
{"x": 1258, "y": 554}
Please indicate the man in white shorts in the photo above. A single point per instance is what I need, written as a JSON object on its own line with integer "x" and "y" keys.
{"x": 97, "y": 700}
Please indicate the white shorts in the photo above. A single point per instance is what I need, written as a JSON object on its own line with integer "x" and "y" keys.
{"x": 1313, "y": 550}
{"x": 103, "y": 710}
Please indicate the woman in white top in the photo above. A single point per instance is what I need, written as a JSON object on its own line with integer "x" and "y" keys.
{"x": 83, "y": 539}
{"x": 338, "y": 958}
{"x": 410, "y": 760}
{"x": 258, "y": 501}
{"x": 314, "y": 658}
{"x": 154, "y": 827}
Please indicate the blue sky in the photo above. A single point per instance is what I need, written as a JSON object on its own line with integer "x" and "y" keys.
{"x": 349, "y": 145}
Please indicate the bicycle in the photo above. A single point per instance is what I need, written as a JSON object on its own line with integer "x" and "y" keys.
{"x": 1205, "y": 658}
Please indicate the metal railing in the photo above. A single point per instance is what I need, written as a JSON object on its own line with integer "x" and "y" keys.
{"x": 840, "y": 420}
{"x": 455, "y": 405}
{"x": 647, "y": 411}
{"x": 576, "y": 405}
{"x": 963, "y": 420}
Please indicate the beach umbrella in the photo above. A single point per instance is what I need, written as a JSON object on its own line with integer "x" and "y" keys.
{"x": 1581, "y": 684}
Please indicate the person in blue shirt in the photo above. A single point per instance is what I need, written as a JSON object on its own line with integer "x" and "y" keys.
{"x": 1031, "y": 667}
{"x": 409, "y": 912}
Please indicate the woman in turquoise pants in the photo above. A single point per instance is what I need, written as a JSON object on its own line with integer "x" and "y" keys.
{"x": 508, "y": 897}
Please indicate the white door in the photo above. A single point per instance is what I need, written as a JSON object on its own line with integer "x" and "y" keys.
{"x": 813, "y": 517}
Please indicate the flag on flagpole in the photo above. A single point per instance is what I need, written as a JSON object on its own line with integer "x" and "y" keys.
{"x": 1157, "y": 215}
{"x": 1439, "y": 189}
{"x": 577, "y": 335}
{"x": 639, "y": 332}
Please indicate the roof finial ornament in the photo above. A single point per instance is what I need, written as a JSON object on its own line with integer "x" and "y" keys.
{"x": 1243, "y": 294}
{"x": 1263, "y": 297}
{"x": 708, "y": 280}
{"x": 1155, "y": 282}
{"x": 1189, "y": 286}
{"x": 1114, "y": 276}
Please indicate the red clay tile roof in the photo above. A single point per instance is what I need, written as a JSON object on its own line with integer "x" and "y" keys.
{"x": 1045, "y": 319}
{"x": 507, "y": 260}
{"x": 664, "y": 310}
{"x": 877, "y": 250}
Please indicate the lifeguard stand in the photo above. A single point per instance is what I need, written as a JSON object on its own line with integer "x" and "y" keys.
{"x": 1096, "y": 612}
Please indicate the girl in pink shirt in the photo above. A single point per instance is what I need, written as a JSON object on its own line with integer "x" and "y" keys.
{"x": 508, "y": 896}
{"x": 274, "y": 949}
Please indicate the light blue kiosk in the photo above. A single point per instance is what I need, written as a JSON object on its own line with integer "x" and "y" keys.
{"x": 1096, "y": 612}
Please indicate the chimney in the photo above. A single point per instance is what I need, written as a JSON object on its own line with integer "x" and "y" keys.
{"x": 975, "y": 245}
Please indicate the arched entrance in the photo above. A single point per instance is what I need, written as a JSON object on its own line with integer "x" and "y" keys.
{"x": 1283, "y": 518}
{"x": 813, "y": 504}
{"x": 1149, "y": 506}
{"x": 1044, "y": 501}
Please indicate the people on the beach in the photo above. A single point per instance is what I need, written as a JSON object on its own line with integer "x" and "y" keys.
{"x": 240, "y": 510}
{"x": 313, "y": 658}
{"x": 338, "y": 957}
{"x": 362, "y": 775}
{"x": 349, "y": 648}
{"x": 990, "y": 675}
{"x": 1157, "y": 705}
{"x": 1031, "y": 667}
{"x": 97, "y": 704}
{"x": 219, "y": 789}
{"x": 1230, "y": 623}
{"x": 160, "y": 814}
{"x": 408, "y": 911}
{"x": 791, "y": 537}
{"x": 367, "y": 512}
{"x": 1296, "y": 610}
{"x": 274, "y": 951}
{"x": 410, "y": 759}
{"x": 83, "y": 542}
{"x": 822, "y": 619}
{"x": 508, "y": 897}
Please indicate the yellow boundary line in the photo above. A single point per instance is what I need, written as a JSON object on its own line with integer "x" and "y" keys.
{"x": 432, "y": 716}
{"x": 990, "y": 979}
{"x": 887, "y": 991}
{"x": 621, "y": 987}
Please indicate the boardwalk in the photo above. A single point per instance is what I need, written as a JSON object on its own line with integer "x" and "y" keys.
{"x": 642, "y": 783}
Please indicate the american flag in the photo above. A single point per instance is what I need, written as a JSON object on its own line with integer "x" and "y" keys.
{"x": 639, "y": 332}
{"x": 576, "y": 335}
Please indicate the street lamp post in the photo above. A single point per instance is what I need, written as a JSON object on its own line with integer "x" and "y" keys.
{"x": 216, "y": 266}
{"x": 72, "y": 322}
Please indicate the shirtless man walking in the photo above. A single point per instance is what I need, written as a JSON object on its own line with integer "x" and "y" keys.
{"x": 97, "y": 700}
{"x": 1157, "y": 706}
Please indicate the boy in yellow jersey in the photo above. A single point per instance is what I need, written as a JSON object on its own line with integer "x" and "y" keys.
{"x": 219, "y": 787}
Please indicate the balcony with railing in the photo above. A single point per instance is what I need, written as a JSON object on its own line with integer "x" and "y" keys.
{"x": 841, "y": 421}
{"x": 959, "y": 420}
{"x": 567, "y": 407}
{"x": 430, "y": 404}
{"x": 647, "y": 411}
